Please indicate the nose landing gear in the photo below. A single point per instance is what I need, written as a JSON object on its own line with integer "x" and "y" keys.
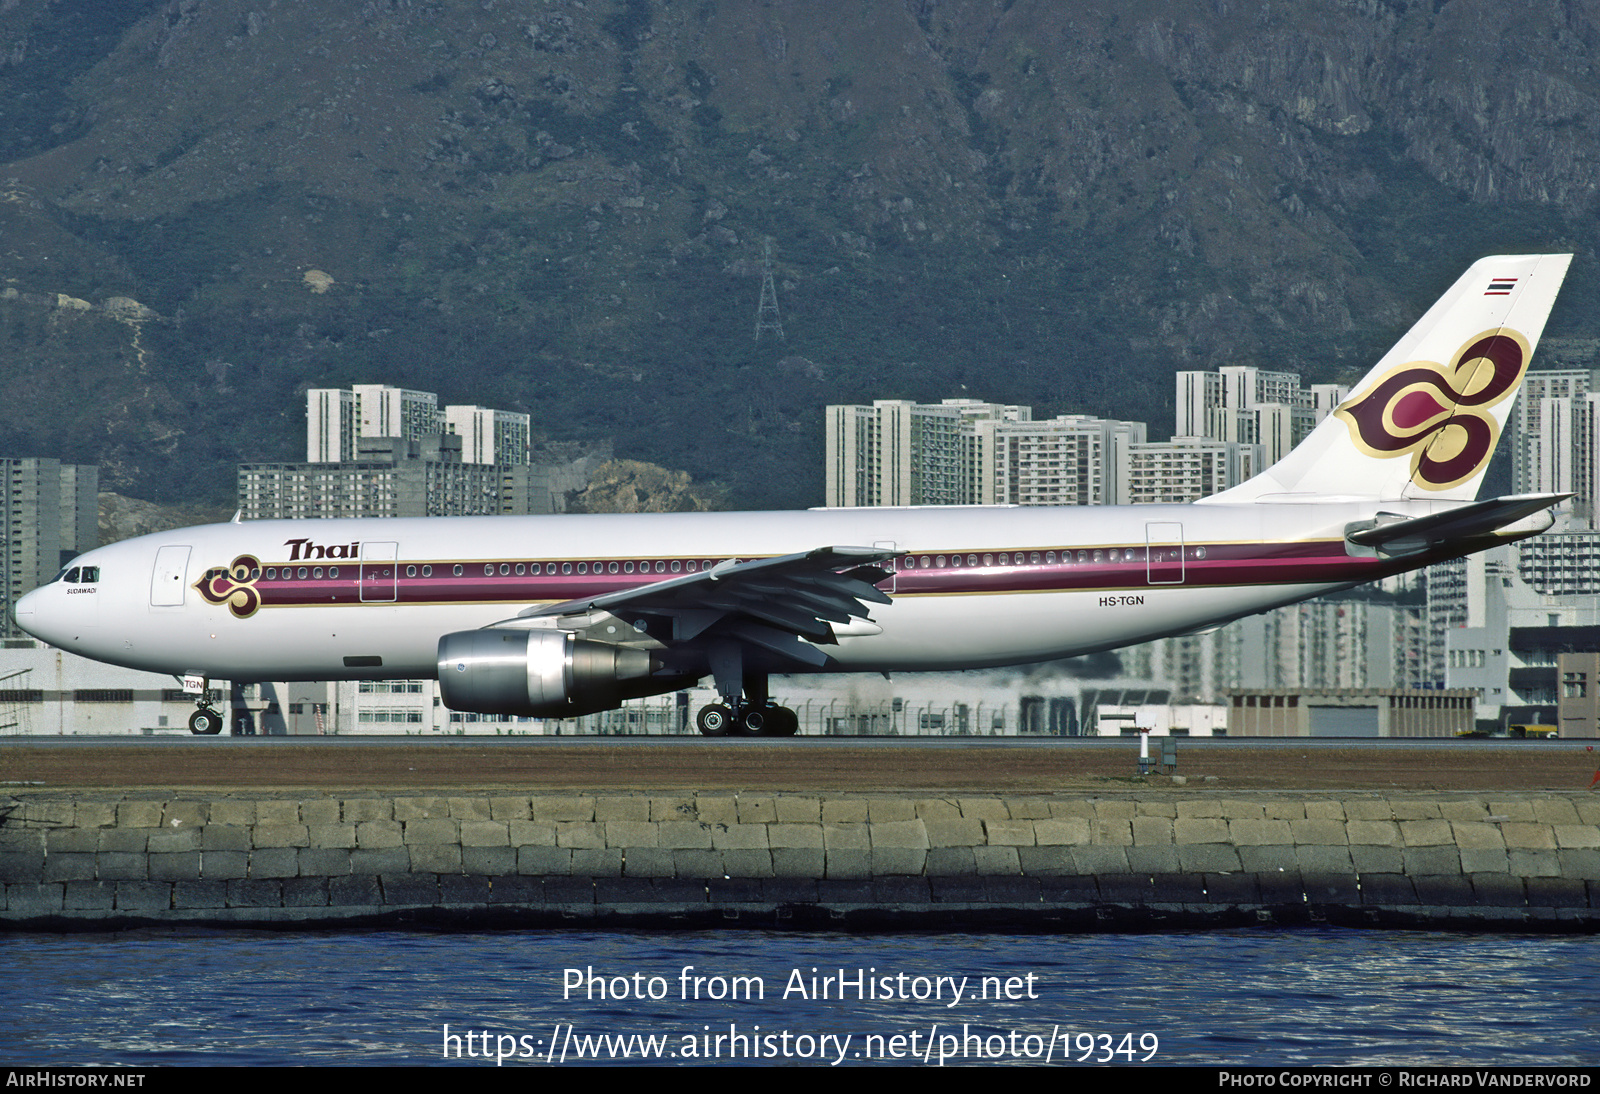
{"x": 205, "y": 721}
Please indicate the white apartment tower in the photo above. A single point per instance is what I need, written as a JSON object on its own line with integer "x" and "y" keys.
{"x": 1186, "y": 469}
{"x": 898, "y": 452}
{"x": 1243, "y": 404}
{"x": 337, "y": 419}
{"x": 1553, "y": 442}
{"x": 967, "y": 452}
{"x": 384, "y": 411}
{"x": 489, "y": 436}
{"x": 50, "y": 515}
{"x": 330, "y": 425}
{"x": 1554, "y": 434}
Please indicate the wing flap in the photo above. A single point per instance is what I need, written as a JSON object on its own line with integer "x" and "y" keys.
{"x": 772, "y": 603}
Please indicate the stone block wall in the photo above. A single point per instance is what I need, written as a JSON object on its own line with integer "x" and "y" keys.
{"x": 94, "y": 860}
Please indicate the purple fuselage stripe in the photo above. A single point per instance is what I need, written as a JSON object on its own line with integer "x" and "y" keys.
{"x": 1316, "y": 562}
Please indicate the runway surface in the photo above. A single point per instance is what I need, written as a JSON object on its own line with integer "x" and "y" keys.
{"x": 687, "y": 765}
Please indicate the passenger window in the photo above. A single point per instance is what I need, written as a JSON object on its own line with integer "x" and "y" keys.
{"x": 457, "y": 570}
{"x": 505, "y": 569}
{"x": 690, "y": 565}
{"x": 317, "y": 573}
{"x": 427, "y": 571}
{"x": 521, "y": 569}
{"x": 676, "y": 565}
{"x": 627, "y": 567}
{"x": 333, "y": 571}
{"x": 661, "y": 567}
{"x": 488, "y": 569}
{"x": 272, "y": 573}
{"x": 411, "y": 571}
{"x": 955, "y": 560}
{"x": 613, "y": 567}
{"x": 988, "y": 560}
{"x": 583, "y": 567}
{"x": 301, "y": 572}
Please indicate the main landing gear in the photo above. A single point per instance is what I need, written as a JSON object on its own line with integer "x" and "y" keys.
{"x": 745, "y": 710}
{"x": 745, "y": 719}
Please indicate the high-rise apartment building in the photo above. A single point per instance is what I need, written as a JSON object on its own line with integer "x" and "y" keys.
{"x": 1554, "y": 443}
{"x": 1554, "y": 436}
{"x": 1243, "y": 404}
{"x": 331, "y": 426}
{"x": 489, "y": 436}
{"x": 967, "y": 452}
{"x": 384, "y": 411}
{"x": 1186, "y": 469}
{"x": 1071, "y": 459}
{"x": 392, "y": 477}
{"x": 337, "y": 420}
{"x": 50, "y": 515}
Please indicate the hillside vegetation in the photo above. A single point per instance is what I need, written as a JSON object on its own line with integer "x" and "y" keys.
{"x": 207, "y": 206}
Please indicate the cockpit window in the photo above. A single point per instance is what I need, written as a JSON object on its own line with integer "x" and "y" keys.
{"x": 72, "y": 575}
{"x": 91, "y": 575}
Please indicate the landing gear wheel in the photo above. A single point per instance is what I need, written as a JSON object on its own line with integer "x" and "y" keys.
{"x": 782, "y": 722}
{"x": 753, "y": 721}
{"x": 714, "y": 720}
{"x": 205, "y": 722}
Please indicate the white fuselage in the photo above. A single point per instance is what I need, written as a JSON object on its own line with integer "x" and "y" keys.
{"x": 974, "y": 587}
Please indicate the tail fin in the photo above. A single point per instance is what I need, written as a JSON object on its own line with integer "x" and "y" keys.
{"x": 1424, "y": 422}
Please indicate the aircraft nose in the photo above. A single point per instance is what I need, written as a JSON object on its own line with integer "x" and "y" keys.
{"x": 31, "y": 616}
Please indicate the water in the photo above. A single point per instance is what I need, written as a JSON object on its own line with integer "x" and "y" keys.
{"x": 1230, "y": 997}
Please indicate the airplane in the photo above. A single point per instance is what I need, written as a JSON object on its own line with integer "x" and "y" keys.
{"x": 557, "y": 616}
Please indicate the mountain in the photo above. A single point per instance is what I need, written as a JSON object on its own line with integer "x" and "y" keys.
{"x": 207, "y": 206}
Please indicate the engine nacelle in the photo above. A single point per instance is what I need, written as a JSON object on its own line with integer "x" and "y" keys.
{"x": 545, "y": 674}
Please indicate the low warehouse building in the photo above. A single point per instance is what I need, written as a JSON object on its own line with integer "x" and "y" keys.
{"x": 1350, "y": 712}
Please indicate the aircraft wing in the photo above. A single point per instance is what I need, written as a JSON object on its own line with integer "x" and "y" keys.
{"x": 767, "y": 602}
{"x": 1407, "y": 535}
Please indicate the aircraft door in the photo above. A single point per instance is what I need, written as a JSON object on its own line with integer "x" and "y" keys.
{"x": 892, "y": 565}
{"x": 1163, "y": 552}
{"x": 167, "y": 584}
{"x": 379, "y": 572}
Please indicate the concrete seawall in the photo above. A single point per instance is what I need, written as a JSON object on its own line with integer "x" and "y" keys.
{"x": 108, "y": 859}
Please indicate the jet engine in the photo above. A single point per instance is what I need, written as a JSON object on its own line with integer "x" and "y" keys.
{"x": 546, "y": 674}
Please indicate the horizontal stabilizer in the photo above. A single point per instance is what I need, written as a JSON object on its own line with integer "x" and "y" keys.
{"x": 1407, "y": 535}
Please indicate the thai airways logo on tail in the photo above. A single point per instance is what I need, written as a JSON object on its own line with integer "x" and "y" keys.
{"x": 1437, "y": 413}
